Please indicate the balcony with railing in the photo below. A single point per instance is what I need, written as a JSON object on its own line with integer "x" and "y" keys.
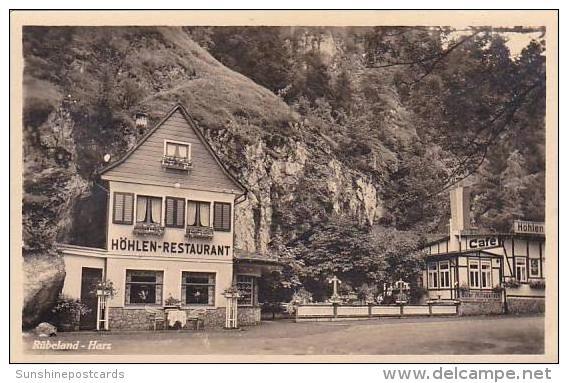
{"x": 177, "y": 163}
{"x": 199, "y": 232}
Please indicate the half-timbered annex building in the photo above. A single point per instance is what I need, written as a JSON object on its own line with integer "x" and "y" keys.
{"x": 472, "y": 264}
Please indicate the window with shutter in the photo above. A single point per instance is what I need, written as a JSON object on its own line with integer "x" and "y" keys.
{"x": 123, "y": 208}
{"x": 222, "y": 216}
{"x": 175, "y": 212}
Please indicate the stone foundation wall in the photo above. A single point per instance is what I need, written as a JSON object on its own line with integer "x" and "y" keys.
{"x": 129, "y": 319}
{"x": 248, "y": 316}
{"x": 138, "y": 319}
{"x": 525, "y": 305}
{"x": 492, "y": 307}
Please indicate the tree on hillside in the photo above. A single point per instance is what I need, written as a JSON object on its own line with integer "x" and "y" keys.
{"x": 260, "y": 53}
{"x": 466, "y": 89}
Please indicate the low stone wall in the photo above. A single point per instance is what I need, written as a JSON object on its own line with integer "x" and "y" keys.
{"x": 488, "y": 307}
{"x": 525, "y": 305}
{"x": 137, "y": 319}
{"x": 215, "y": 318}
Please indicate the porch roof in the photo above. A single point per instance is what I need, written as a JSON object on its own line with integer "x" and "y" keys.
{"x": 465, "y": 252}
{"x": 244, "y": 256}
{"x": 66, "y": 248}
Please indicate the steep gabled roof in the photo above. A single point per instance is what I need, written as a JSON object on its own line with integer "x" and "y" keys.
{"x": 199, "y": 134}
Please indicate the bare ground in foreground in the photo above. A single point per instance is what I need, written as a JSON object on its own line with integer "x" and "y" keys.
{"x": 457, "y": 336}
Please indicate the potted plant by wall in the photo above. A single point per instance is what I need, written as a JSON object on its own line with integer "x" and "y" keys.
{"x": 172, "y": 303}
{"x": 68, "y": 313}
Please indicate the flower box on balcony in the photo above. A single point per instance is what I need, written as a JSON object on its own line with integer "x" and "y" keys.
{"x": 177, "y": 163}
{"x": 149, "y": 229}
{"x": 202, "y": 232}
{"x": 537, "y": 284}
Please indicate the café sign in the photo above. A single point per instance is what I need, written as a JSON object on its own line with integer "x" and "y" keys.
{"x": 528, "y": 227}
{"x": 476, "y": 243}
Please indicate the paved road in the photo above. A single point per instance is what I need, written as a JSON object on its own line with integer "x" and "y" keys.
{"x": 457, "y": 336}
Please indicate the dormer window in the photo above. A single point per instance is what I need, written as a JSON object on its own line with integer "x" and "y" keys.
{"x": 177, "y": 155}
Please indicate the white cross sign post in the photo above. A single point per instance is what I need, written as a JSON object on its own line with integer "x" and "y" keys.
{"x": 335, "y": 297}
{"x": 335, "y": 282}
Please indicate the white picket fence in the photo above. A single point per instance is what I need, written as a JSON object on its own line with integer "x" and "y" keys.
{"x": 326, "y": 311}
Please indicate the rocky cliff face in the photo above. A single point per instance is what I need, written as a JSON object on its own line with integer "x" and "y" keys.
{"x": 82, "y": 87}
{"x": 273, "y": 177}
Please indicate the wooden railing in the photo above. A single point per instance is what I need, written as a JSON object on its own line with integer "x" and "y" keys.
{"x": 328, "y": 311}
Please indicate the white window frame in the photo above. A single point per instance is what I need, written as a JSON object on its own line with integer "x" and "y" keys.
{"x": 166, "y": 142}
{"x": 472, "y": 272}
{"x": 521, "y": 268}
{"x": 487, "y": 273}
{"x": 537, "y": 275}
{"x": 253, "y": 281}
{"x": 433, "y": 282}
{"x": 158, "y": 286}
{"x": 442, "y": 273}
{"x": 212, "y": 286}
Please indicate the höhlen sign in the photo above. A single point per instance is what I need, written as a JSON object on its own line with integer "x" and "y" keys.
{"x": 528, "y": 227}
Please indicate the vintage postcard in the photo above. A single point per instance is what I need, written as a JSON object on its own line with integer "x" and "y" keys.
{"x": 284, "y": 186}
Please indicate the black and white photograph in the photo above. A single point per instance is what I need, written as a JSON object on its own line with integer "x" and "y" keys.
{"x": 290, "y": 189}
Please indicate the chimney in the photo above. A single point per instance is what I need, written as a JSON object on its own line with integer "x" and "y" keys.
{"x": 141, "y": 123}
{"x": 459, "y": 205}
{"x": 459, "y": 221}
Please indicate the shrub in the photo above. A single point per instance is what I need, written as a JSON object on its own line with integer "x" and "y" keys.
{"x": 68, "y": 312}
{"x": 498, "y": 289}
{"x": 302, "y": 296}
{"x": 511, "y": 283}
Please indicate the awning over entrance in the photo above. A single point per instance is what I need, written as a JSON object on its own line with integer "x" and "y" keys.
{"x": 253, "y": 263}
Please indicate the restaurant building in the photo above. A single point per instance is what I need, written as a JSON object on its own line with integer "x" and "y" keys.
{"x": 170, "y": 234}
{"x": 470, "y": 264}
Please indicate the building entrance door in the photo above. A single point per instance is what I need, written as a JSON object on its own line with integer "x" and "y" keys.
{"x": 89, "y": 279}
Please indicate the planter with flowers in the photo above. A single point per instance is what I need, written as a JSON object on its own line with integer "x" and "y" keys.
{"x": 538, "y": 284}
{"x": 145, "y": 228}
{"x": 177, "y": 163}
{"x": 105, "y": 288}
{"x": 172, "y": 303}
{"x": 511, "y": 283}
{"x": 231, "y": 292}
